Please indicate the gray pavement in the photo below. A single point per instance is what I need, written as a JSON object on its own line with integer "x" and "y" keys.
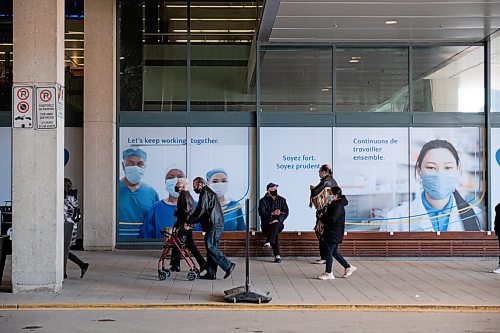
{"x": 128, "y": 279}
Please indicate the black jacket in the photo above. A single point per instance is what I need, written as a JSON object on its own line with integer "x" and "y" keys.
{"x": 497, "y": 219}
{"x": 209, "y": 211}
{"x": 334, "y": 221}
{"x": 268, "y": 205}
{"x": 327, "y": 181}
{"x": 185, "y": 207}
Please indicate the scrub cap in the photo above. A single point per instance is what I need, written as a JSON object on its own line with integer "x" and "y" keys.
{"x": 135, "y": 152}
{"x": 214, "y": 171}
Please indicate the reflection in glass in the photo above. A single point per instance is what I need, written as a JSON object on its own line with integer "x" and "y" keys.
{"x": 495, "y": 73}
{"x": 296, "y": 80}
{"x": 448, "y": 79}
{"x": 374, "y": 79}
{"x": 180, "y": 55}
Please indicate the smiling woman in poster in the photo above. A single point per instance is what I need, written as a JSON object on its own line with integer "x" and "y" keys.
{"x": 233, "y": 214}
{"x": 439, "y": 206}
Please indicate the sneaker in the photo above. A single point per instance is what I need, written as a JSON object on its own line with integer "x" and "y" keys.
{"x": 267, "y": 246}
{"x": 319, "y": 262}
{"x": 229, "y": 270}
{"x": 326, "y": 276}
{"x": 277, "y": 259}
{"x": 349, "y": 270}
{"x": 174, "y": 269}
{"x": 207, "y": 277}
{"x": 497, "y": 270}
{"x": 84, "y": 268}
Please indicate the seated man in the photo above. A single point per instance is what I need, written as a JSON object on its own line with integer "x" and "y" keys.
{"x": 273, "y": 211}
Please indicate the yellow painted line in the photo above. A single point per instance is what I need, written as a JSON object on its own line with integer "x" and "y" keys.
{"x": 256, "y": 307}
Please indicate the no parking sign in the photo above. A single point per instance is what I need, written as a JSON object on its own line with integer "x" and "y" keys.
{"x": 46, "y": 109}
{"x": 22, "y": 106}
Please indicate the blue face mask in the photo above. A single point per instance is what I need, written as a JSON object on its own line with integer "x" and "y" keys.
{"x": 439, "y": 186}
{"x": 170, "y": 187}
{"x": 134, "y": 174}
{"x": 329, "y": 198}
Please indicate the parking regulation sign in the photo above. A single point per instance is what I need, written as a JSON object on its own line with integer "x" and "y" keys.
{"x": 46, "y": 109}
{"x": 22, "y": 106}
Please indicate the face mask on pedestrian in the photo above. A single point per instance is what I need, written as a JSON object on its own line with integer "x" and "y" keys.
{"x": 439, "y": 186}
{"x": 329, "y": 198}
{"x": 274, "y": 193}
{"x": 170, "y": 185}
{"x": 197, "y": 190}
{"x": 134, "y": 174}
{"x": 219, "y": 188}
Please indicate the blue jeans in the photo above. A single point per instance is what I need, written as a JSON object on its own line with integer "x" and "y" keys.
{"x": 332, "y": 251}
{"x": 214, "y": 255}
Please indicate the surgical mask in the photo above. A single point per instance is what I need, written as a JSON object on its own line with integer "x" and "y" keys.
{"x": 273, "y": 193}
{"x": 439, "y": 186}
{"x": 134, "y": 174}
{"x": 329, "y": 198}
{"x": 219, "y": 188}
{"x": 170, "y": 185}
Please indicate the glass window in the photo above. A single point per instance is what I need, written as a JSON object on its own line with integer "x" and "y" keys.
{"x": 221, "y": 38}
{"x": 495, "y": 73}
{"x": 448, "y": 79}
{"x": 371, "y": 79}
{"x": 159, "y": 73}
{"x": 296, "y": 79}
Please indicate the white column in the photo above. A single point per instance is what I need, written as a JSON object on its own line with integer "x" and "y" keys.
{"x": 38, "y": 155}
{"x": 99, "y": 125}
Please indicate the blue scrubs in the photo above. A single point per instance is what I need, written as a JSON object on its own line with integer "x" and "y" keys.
{"x": 233, "y": 217}
{"x": 133, "y": 207}
{"x": 161, "y": 215}
{"x": 439, "y": 223}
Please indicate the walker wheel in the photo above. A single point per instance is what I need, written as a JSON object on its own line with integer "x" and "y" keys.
{"x": 191, "y": 276}
{"x": 166, "y": 271}
{"x": 162, "y": 276}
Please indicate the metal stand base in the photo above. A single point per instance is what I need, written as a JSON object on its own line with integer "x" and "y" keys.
{"x": 246, "y": 295}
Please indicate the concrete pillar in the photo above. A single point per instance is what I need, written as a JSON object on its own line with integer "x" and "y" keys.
{"x": 38, "y": 155}
{"x": 99, "y": 125}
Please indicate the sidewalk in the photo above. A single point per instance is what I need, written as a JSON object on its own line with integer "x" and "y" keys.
{"x": 128, "y": 279}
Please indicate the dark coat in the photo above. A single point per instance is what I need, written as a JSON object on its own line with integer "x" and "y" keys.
{"x": 209, "y": 211}
{"x": 497, "y": 219}
{"x": 327, "y": 181}
{"x": 334, "y": 221}
{"x": 185, "y": 207}
{"x": 267, "y": 205}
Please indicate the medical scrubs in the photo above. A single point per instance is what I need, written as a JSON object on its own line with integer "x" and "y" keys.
{"x": 233, "y": 217}
{"x": 134, "y": 206}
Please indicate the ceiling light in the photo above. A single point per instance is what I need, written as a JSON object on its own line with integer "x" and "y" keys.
{"x": 73, "y": 40}
{"x": 390, "y": 22}
{"x": 354, "y": 61}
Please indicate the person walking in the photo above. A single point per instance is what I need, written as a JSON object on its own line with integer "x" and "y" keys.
{"x": 209, "y": 214}
{"x": 332, "y": 235}
{"x": 185, "y": 207}
{"x": 326, "y": 181}
{"x": 497, "y": 232}
{"x": 273, "y": 211}
{"x": 72, "y": 215}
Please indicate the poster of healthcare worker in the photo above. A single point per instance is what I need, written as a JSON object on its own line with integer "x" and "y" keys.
{"x": 446, "y": 180}
{"x": 5, "y": 164}
{"x": 291, "y": 158}
{"x": 153, "y": 158}
{"x": 371, "y": 167}
{"x": 495, "y": 171}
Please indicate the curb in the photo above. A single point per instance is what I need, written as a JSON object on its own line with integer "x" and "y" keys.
{"x": 255, "y": 307}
